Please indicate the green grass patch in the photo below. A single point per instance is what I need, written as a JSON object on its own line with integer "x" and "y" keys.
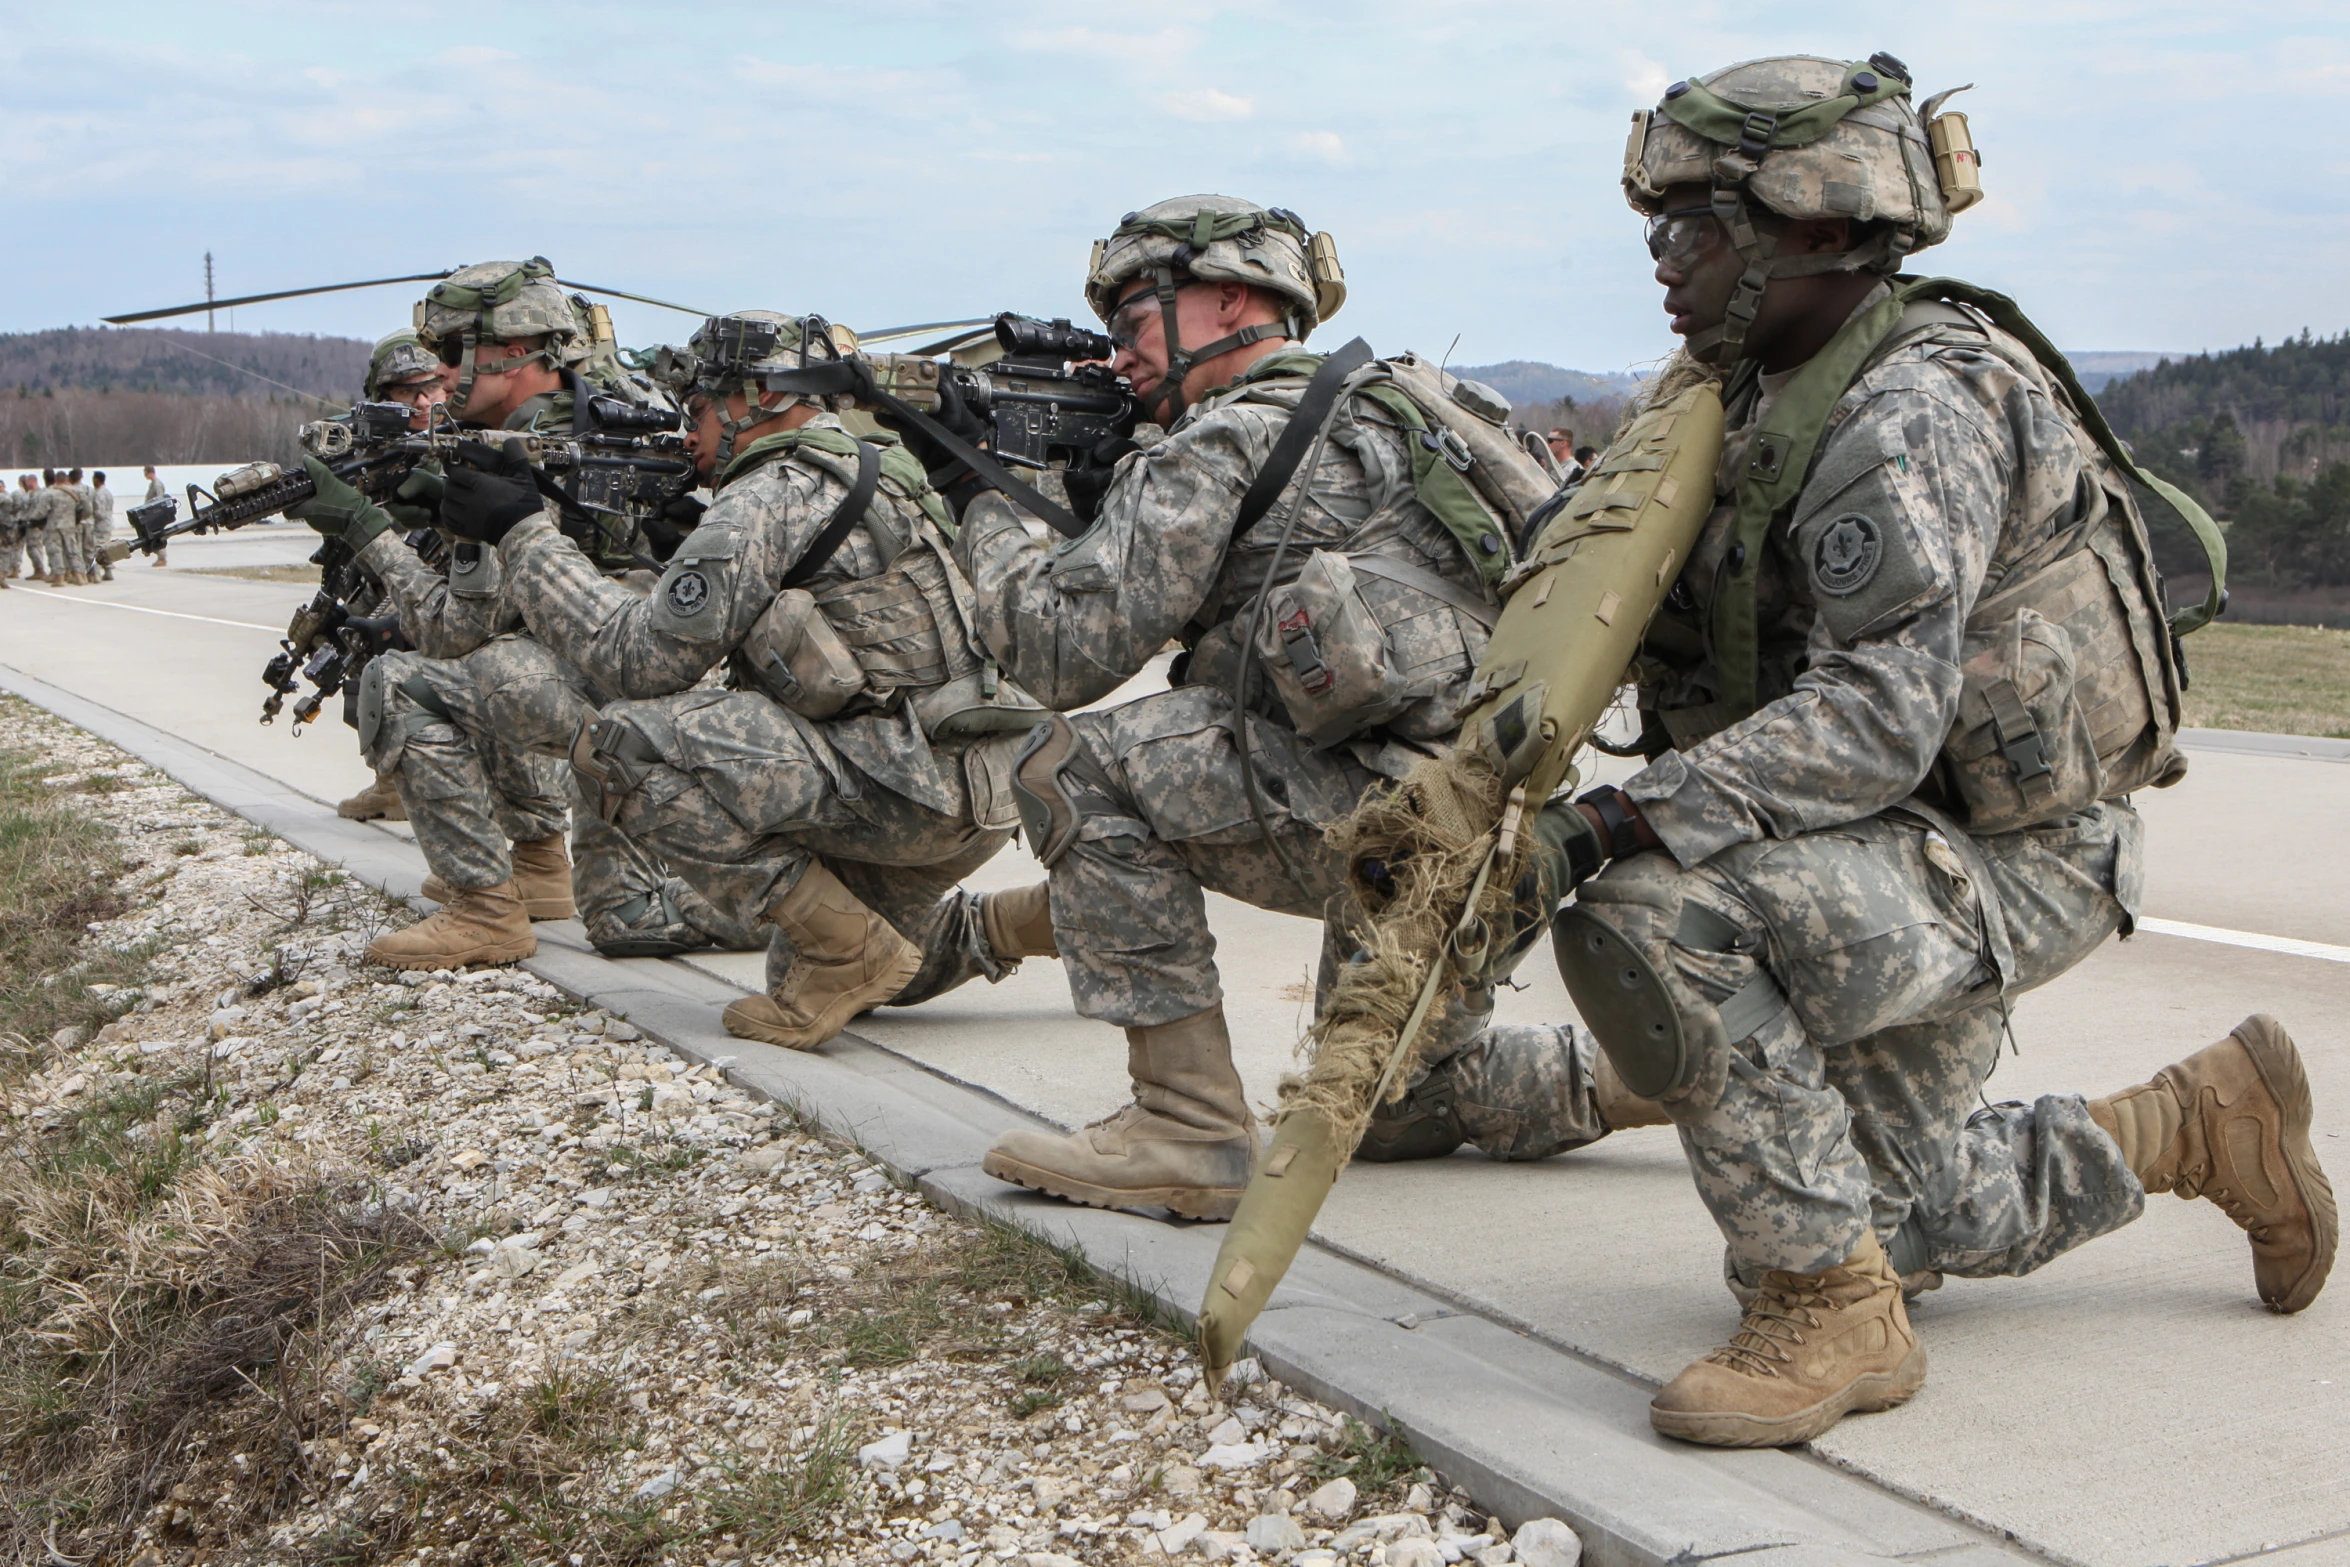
{"x": 1379, "y": 1462}
{"x": 2286, "y": 680}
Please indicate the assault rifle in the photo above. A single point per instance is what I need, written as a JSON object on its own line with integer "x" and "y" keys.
{"x": 1047, "y": 401}
{"x": 328, "y": 645}
{"x": 608, "y": 482}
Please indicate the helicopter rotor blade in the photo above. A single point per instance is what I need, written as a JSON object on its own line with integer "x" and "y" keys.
{"x": 947, "y": 345}
{"x": 642, "y": 299}
{"x": 256, "y": 299}
{"x": 923, "y": 326}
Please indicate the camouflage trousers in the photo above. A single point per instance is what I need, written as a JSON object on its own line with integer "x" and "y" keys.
{"x": 474, "y": 745}
{"x": 60, "y": 545}
{"x": 740, "y": 795}
{"x": 1841, "y": 1004}
{"x": 93, "y": 546}
{"x": 1517, "y": 1091}
{"x": 1167, "y": 821}
{"x": 11, "y": 551}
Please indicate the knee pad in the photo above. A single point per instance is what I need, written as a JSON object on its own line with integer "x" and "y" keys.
{"x": 1050, "y": 810}
{"x": 395, "y": 698}
{"x": 1624, "y": 1001}
{"x": 1423, "y": 1124}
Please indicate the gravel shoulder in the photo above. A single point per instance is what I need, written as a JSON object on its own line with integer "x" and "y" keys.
{"x": 573, "y": 1302}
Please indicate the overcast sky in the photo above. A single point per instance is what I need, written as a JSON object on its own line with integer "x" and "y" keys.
{"x": 2161, "y": 176}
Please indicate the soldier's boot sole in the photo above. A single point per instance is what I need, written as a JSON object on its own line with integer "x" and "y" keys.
{"x": 758, "y": 1017}
{"x": 1209, "y": 1204}
{"x": 378, "y": 802}
{"x": 1867, "y": 1394}
{"x": 2278, "y": 1061}
{"x": 646, "y": 947}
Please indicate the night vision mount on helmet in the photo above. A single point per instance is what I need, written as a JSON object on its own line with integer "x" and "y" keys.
{"x": 1804, "y": 138}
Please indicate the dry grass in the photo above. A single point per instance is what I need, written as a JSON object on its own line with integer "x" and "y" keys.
{"x": 148, "y": 1297}
{"x": 2286, "y": 680}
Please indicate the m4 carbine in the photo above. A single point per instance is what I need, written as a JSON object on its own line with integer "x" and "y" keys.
{"x": 1048, "y": 401}
{"x": 607, "y": 482}
{"x": 328, "y": 645}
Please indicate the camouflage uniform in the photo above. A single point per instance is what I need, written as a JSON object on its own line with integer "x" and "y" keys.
{"x": 101, "y": 531}
{"x": 1841, "y": 953}
{"x": 472, "y": 726}
{"x": 736, "y": 791}
{"x": 61, "y": 534}
{"x": 1166, "y": 810}
{"x": 11, "y": 533}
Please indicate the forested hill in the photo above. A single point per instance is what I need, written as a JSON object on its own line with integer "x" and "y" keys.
{"x": 140, "y": 359}
{"x": 2262, "y": 436}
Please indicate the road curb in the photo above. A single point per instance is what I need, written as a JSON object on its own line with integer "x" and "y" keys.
{"x": 1527, "y": 1427}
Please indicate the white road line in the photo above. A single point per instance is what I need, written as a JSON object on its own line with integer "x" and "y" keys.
{"x": 141, "y": 609}
{"x": 2288, "y": 945}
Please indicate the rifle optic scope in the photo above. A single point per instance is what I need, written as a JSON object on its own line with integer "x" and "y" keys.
{"x": 1057, "y": 339}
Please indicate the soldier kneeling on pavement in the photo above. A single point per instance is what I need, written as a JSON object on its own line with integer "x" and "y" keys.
{"x": 1894, "y": 710}
{"x": 858, "y": 762}
{"x": 1344, "y": 488}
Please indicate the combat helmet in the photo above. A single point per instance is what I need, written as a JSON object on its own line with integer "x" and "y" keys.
{"x": 398, "y": 359}
{"x": 1805, "y": 138}
{"x": 1216, "y": 239}
{"x": 762, "y": 354}
{"x": 503, "y": 302}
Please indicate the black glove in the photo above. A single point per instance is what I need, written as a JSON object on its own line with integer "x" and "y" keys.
{"x": 485, "y": 492}
{"x": 662, "y": 534}
{"x": 417, "y": 501}
{"x": 1089, "y": 481}
{"x": 338, "y": 510}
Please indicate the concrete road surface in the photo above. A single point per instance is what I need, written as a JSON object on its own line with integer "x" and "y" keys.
{"x": 2129, "y": 1405}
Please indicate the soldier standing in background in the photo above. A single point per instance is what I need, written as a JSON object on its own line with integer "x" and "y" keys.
{"x": 61, "y": 534}
{"x": 155, "y": 492}
{"x": 11, "y": 535}
{"x": 101, "y": 527}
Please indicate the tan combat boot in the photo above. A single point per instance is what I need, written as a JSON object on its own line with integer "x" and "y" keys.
{"x": 1811, "y": 1349}
{"x": 1619, "y": 1108}
{"x": 486, "y": 927}
{"x": 1019, "y": 923}
{"x": 1187, "y": 1142}
{"x": 848, "y": 960}
{"x": 380, "y": 801}
{"x": 542, "y": 875}
{"x": 2231, "y": 1123}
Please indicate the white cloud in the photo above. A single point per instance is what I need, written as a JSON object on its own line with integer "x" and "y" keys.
{"x": 1207, "y": 105}
{"x": 1328, "y": 146}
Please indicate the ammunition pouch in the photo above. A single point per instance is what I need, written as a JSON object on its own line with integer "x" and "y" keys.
{"x": 611, "y": 760}
{"x": 1331, "y": 655}
{"x": 2064, "y": 697}
{"x": 794, "y": 655}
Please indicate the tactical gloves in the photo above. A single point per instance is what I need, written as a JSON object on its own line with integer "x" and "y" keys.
{"x": 1089, "y": 481}
{"x": 417, "y": 502}
{"x": 486, "y": 492}
{"x": 338, "y": 510}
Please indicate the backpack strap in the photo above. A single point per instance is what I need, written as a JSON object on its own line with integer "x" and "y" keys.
{"x": 836, "y": 528}
{"x": 1783, "y": 448}
{"x": 1289, "y": 449}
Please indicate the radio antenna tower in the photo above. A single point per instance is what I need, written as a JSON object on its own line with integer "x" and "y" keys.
{"x": 208, "y": 289}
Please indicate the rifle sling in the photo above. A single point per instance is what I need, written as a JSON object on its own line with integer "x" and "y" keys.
{"x": 844, "y": 517}
{"x": 1059, "y": 518}
{"x": 1313, "y": 410}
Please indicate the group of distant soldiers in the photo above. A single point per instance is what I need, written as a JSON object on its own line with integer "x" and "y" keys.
{"x": 60, "y": 526}
{"x": 1797, "y": 929}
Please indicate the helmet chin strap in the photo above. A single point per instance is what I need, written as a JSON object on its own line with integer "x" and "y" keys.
{"x": 1168, "y": 401}
{"x": 1724, "y": 344}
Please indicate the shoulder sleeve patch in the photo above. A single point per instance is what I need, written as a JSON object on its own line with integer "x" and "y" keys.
{"x": 1861, "y": 547}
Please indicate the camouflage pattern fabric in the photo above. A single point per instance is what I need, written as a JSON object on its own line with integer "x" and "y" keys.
{"x": 12, "y": 528}
{"x": 1850, "y": 1102}
{"x": 1074, "y": 619}
{"x": 745, "y": 792}
{"x": 1860, "y": 946}
{"x": 60, "y": 532}
{"x": 1520, "y": 1091}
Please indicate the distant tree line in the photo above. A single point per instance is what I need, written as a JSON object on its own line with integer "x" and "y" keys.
{"x": 2261, "y": 435}
{"x": 127, "y": 429}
